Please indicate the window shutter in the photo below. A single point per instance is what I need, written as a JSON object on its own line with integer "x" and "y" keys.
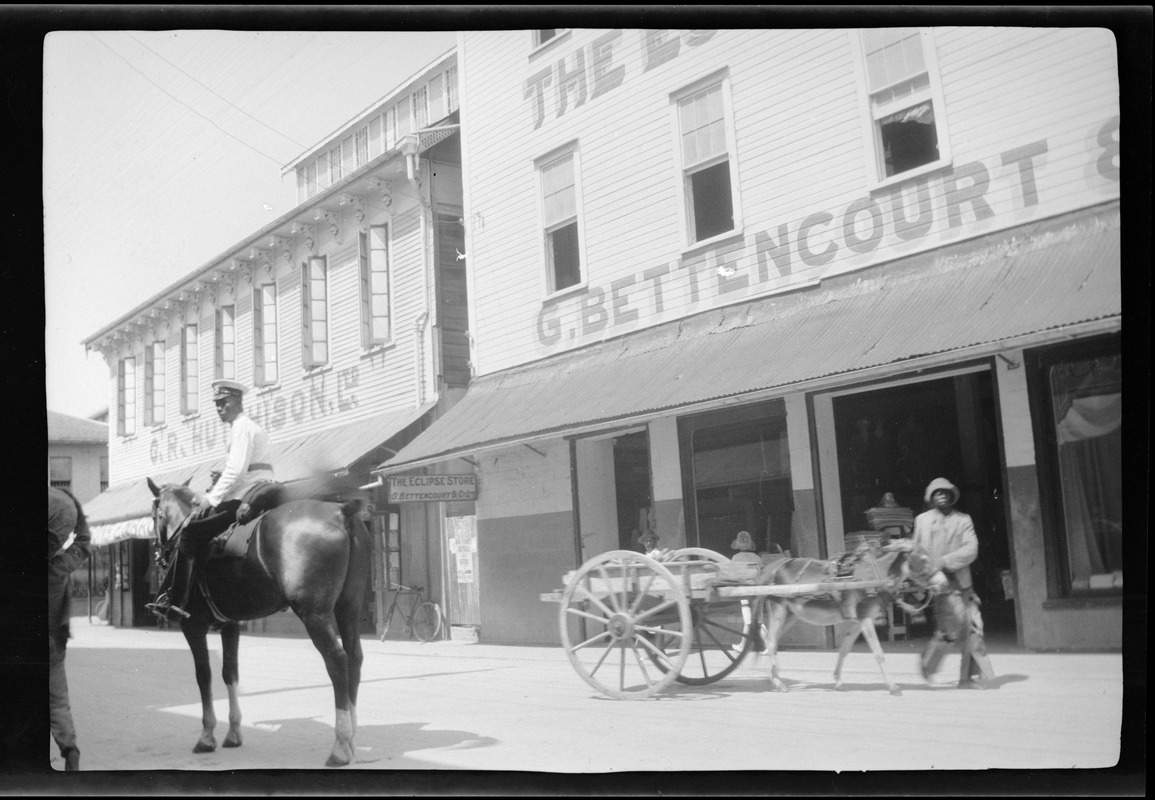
{"x": 306, "y": 316}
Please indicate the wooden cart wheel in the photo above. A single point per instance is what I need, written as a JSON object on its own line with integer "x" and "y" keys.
{"x": 723, "y": 630}
{"x": 607, "y": 629}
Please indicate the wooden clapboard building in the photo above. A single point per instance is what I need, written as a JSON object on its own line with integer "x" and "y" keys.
{"x": 756, "y": 280}
{"x": 346, "y": 317}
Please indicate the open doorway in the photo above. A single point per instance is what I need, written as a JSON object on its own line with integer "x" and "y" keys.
{"x": 898, "y": 438}
{"x": 614, "y": 491}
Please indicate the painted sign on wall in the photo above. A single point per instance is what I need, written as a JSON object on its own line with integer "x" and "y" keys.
{"x": 936, "y": 209}
{"x": 431, "y": 488}
{"x": 205, "y": 434}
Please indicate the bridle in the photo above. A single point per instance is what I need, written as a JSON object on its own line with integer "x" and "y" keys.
{"x": 165, "y": 544}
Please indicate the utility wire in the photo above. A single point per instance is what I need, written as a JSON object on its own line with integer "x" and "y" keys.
{"x": 210, "y": 89}
{"x": 276, "y": 161}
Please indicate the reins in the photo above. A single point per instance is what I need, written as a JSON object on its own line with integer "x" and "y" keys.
{"x": 172, "y": 537}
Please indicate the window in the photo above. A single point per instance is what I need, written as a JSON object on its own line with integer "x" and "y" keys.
{"x": 559, "y": 195}
{"x": 544, "y": 35}
{"x": 906, "y": 127}
{"x": 126, "y": 397}
{"x": 60, "y": 472}
{"x": 705, "y": 160}
{"x": 361, "y": 146}
{"x": 451, "y": 90}
{"x": 736, "y": 477}
{"x": 421, "y": 108}
{"x": 315, "y": 311}
{"x": 225, "y": 342}
{"x": 390, "y": 128}
{"x": 154, "y": 383}
{"x": 265, "y": 370}
{"x": 103, "y": 473}
{"x": 1079, "y": 392}
{"x": 375, "y": 315}
{"x": 189, "y": 371}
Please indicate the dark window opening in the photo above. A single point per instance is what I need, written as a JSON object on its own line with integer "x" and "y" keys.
{"x": 712, "y": 201}
{"x": 564, "y": 258}
{"x": 909, "y": 139}
{"x": 544, "y": 35}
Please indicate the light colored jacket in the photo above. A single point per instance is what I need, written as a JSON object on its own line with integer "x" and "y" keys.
{"x": 950, "y": 537}
{"x": 248, "y": 444}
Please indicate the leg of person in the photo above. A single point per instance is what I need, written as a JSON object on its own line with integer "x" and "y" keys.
{"x": 948, "y": 612}
{"x": 975, "y": 662}
{"x": 59, "y": 709}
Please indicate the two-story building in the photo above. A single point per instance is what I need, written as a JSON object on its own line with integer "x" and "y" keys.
{"x": 345, "y": 317}
{"x": 77, "y": 455}
{"x": 727, "y": 280}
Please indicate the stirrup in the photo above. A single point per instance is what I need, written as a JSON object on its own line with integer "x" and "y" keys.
{"x": 164, "y": 609}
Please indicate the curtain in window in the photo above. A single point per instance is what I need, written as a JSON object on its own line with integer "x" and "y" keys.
{"x": 1088, "y": 405}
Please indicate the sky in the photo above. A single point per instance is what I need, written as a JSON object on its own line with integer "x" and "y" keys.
{"x": 162, "y": 149}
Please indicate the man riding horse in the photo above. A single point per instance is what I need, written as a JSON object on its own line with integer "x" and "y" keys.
{"x": 246, "y": 465}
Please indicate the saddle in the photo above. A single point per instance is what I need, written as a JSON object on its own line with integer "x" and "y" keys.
{"x": 233, "y": 542}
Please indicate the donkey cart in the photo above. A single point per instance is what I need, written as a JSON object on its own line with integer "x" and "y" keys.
{"x": 633, "y": 624}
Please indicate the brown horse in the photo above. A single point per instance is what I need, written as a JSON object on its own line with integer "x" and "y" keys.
{"x": 308, "y": 555}
{"x": 895, "y": 562}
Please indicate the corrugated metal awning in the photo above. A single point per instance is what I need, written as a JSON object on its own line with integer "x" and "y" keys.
{"x": 120, "y": 510}
{"x": 1041, "y": 277}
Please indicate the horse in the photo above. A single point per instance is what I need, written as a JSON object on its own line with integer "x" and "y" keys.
{"x": 308, "y": 555}
{"x": 900, "y": 563}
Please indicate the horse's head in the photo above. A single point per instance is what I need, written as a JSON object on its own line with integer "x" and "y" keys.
{"x": 171, "y": 506}
{"x": 913, "y": 561}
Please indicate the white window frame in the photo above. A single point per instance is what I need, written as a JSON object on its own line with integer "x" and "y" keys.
{"x": 451, "y": 102}
{"x": 390, "y": 127}
{"x": 420, "y": 107}
{"x": 684, "y": 171}
{"x": 361, "y": 146}
{"x": 876, "y": 167}
{"x": 309, "y": 339}
{"x": 154, "y": 383}
{"x": 365, "y": 256}
{"x": 225, "y": 355}
{"x": 264, "y": 355}
{"x": 126, "y": 396}
{"x": 189, "y": 361}
{"x": 572, "y": 152}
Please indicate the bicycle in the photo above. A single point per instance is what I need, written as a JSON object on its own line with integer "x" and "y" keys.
{"x": 424, "y": 618}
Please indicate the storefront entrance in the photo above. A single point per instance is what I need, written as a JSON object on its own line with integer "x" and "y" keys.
{"x": 897, "y": 438}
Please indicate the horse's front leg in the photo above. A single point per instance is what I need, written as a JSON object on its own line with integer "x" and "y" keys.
{"x": 230, "y": 642}
{"x": 778, "y": 621}
{"x": 866, "y": 617}
{"x": 847, "y": 642}
{"x": 195, "y": 633}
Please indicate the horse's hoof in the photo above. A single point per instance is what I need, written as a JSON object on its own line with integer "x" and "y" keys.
{"x": 233, "y": 740}
{"x": 202, "y": 747}
{"x": 341, "y": 755}
{"x": 838, "y": 687}
{"x": 894, "y": 690}
{"x": 780, "y": 687}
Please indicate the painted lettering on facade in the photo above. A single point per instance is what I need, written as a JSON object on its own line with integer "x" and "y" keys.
{"x": 765, "y": 260}
{"x": 591, "y": 72}
{"x": 206, "y": 435}
{"x": 431, "y": 488}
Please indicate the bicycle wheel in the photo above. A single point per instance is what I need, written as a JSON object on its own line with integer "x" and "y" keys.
{"x": 426, "y": 621}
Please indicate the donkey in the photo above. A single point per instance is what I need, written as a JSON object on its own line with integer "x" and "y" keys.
{"x": 895, "y": 562}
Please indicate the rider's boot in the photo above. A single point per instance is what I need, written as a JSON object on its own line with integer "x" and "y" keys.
{"x": 164, "y": 607}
